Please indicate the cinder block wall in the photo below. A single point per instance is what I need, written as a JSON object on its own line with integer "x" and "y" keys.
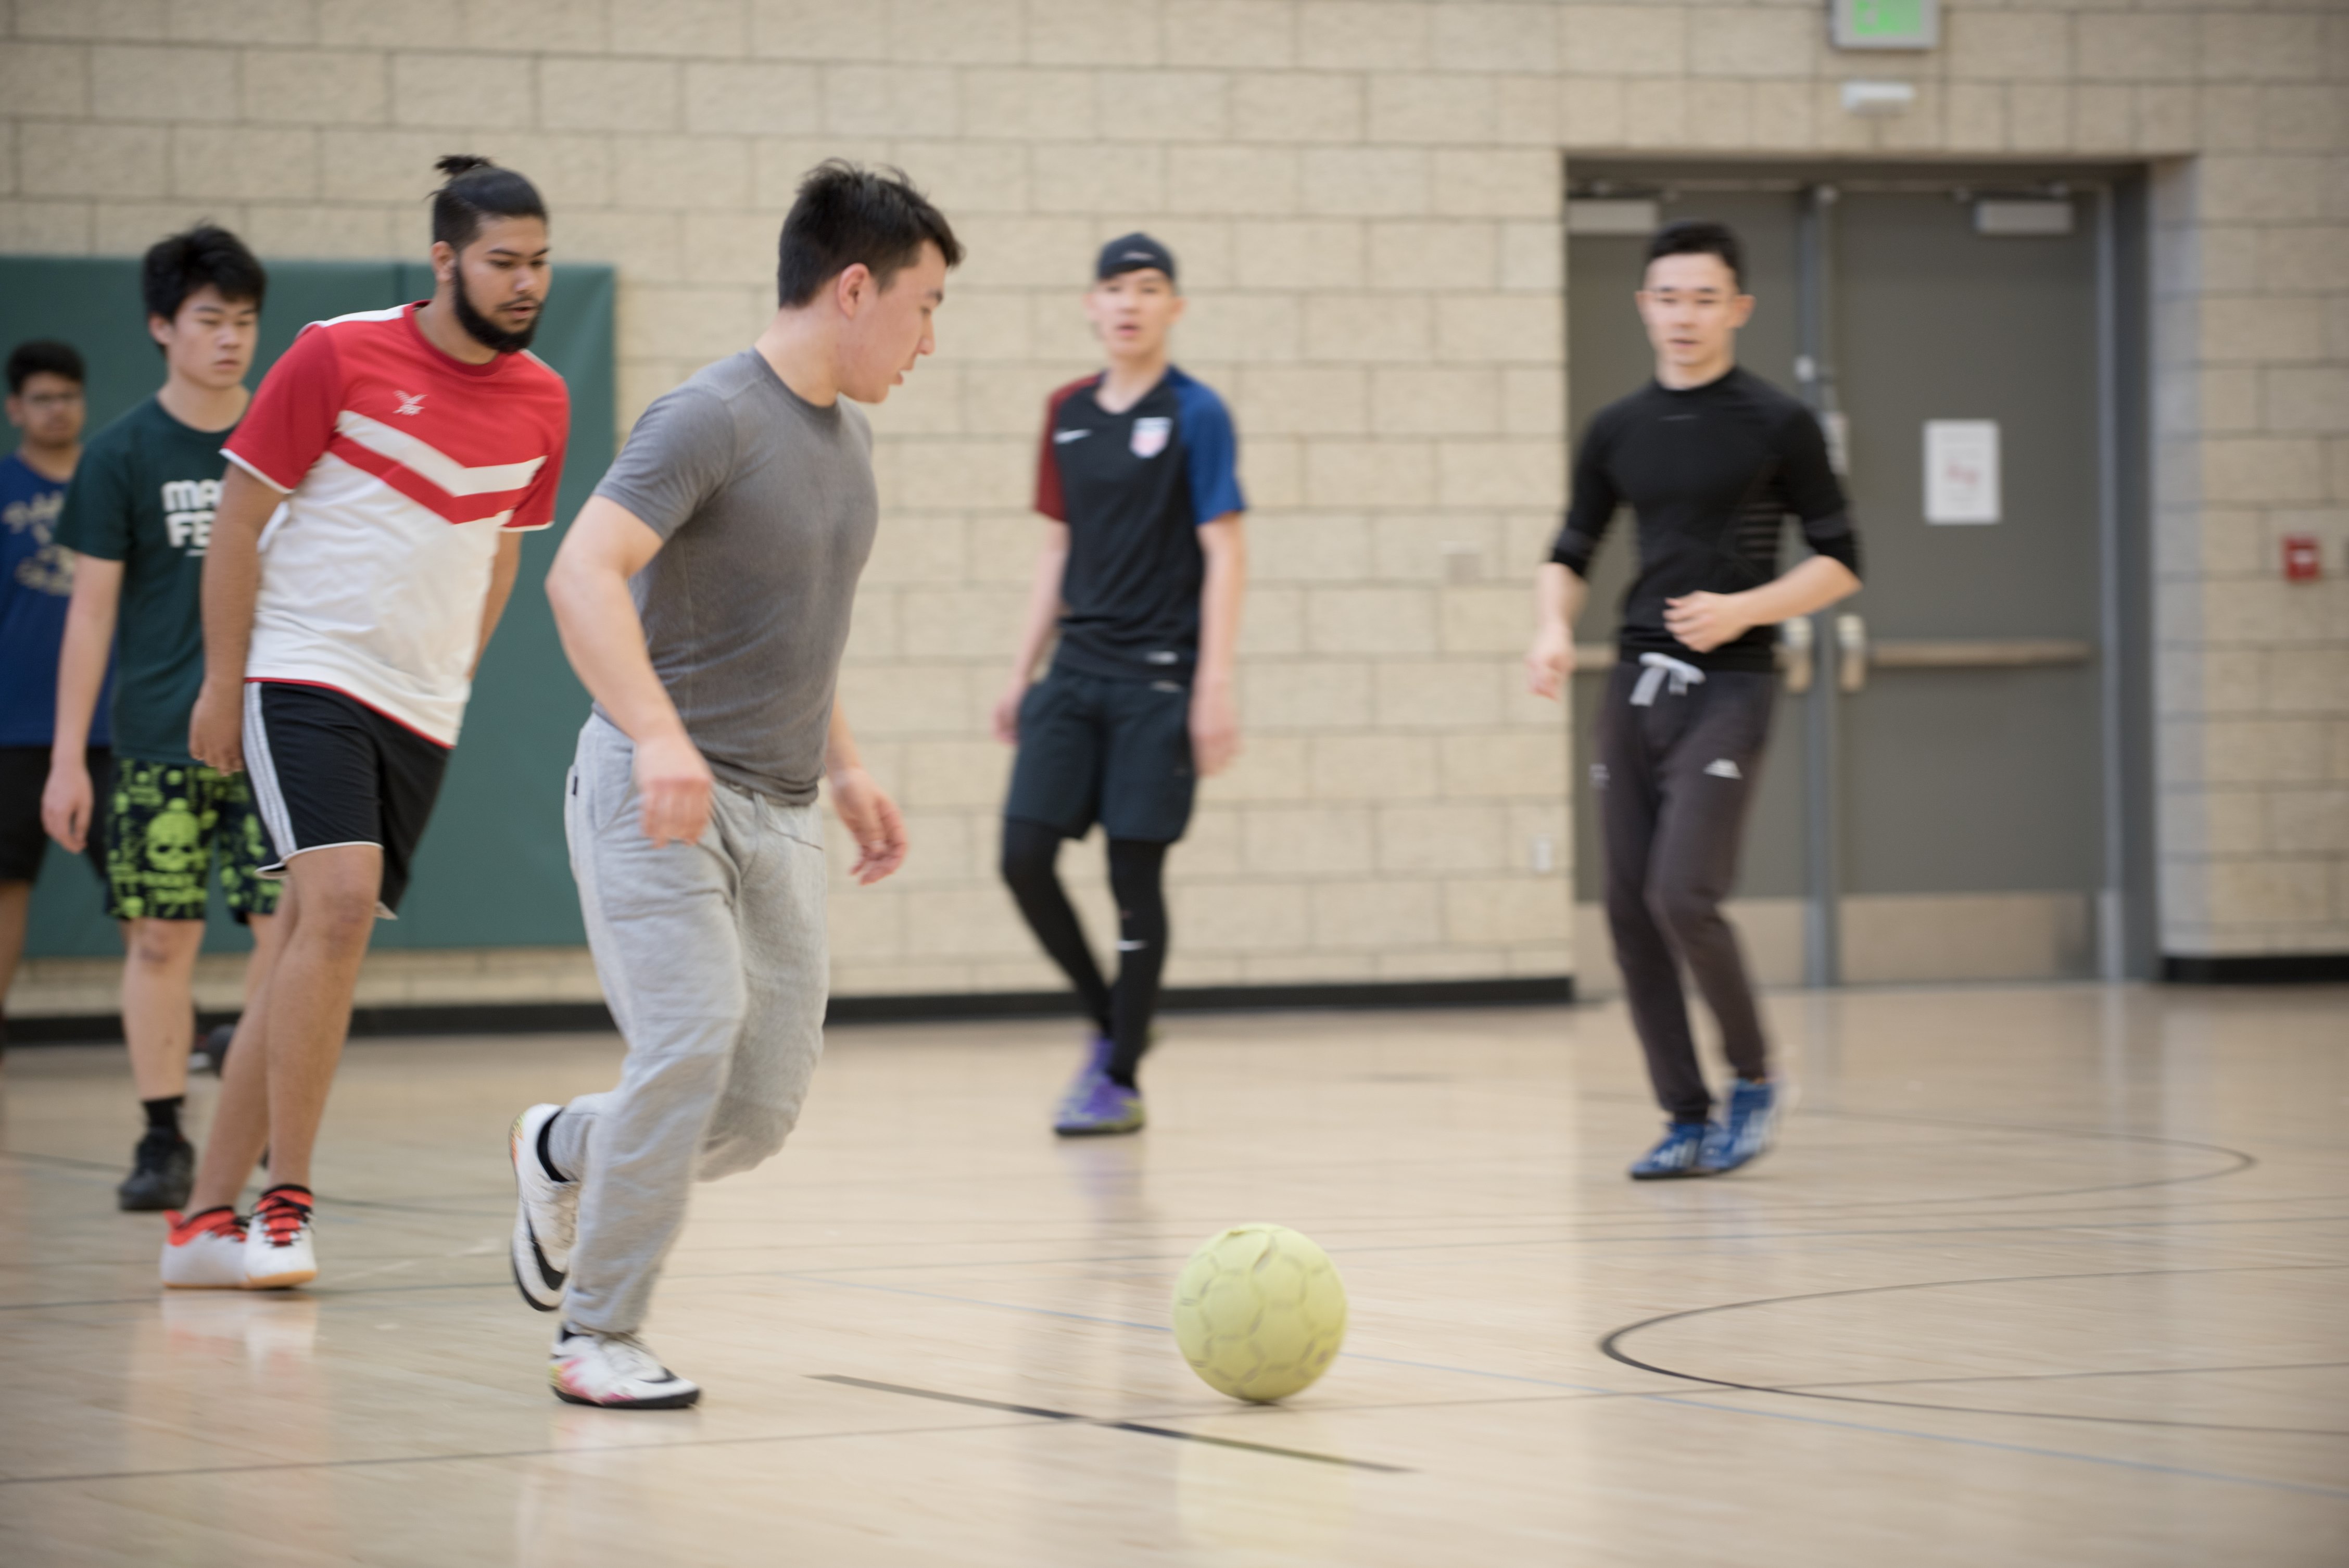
{"x": 1367, "y": 200}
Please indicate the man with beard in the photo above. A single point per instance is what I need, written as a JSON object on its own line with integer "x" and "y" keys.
{"x": 407, "y": 448}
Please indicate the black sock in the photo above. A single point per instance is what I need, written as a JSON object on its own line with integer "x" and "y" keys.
{"x": 546, "y": 1149}
{"x": 1029, "y": 850}
{"x": 163, "y": 1115}
{"x": 1135, "y": 873}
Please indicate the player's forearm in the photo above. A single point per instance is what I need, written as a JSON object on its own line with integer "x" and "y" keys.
{"x": 1043, "y": 606}
{"x": 1558, "y": 596}
{"x": 503, "y": 569}
{"x": 231, "y": 581}
{"x": 605, "y": 641}
{"x": 1221, "y": 591}
{"x": 1813, "y": 585}
{"x": 840, "y": 753}
{"x": 81, "y": 657}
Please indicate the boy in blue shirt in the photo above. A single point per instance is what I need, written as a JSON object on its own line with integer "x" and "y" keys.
{"x": 45, "y": 402}
{"x": 1141, "y": 573}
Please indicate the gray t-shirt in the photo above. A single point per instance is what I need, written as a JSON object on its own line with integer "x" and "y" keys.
{"x": 766, "y": 507}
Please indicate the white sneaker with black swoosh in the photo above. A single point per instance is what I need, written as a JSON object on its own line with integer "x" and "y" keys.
{"x": 546, "y": 1213}
{"x": 616, "y": 1371}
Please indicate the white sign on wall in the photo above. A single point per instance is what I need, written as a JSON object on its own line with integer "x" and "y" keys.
{"x": 1961, "y": 470}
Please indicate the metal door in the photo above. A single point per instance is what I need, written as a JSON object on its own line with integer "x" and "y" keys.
{"x": 1934, "y": 802}
{"x": 1969, "y": 822}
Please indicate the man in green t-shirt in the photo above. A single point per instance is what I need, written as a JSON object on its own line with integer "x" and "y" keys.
{"x": 138, "y": 517}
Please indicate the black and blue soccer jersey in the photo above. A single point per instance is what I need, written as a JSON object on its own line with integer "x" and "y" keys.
{"x": 1134, "y": 488}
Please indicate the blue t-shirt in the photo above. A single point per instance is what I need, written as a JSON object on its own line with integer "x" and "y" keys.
{"x": 36, "y": 582}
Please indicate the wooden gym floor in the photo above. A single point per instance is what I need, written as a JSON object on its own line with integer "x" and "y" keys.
{"x": 2038, "y": 1276}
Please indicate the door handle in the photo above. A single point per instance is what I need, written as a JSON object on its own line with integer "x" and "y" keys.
{"x": 1795, "y": 660}
{"x": 2015, "y": 653}
{"x": 1851, "y": 652}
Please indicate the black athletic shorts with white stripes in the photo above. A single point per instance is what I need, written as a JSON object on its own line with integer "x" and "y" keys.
{"x": 328, "y": 770}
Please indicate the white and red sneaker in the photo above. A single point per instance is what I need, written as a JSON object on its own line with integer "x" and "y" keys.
{"x": 615, "y": 1371}
{"x": 204, "y": 1251}
{"x": 277, "y": 1250}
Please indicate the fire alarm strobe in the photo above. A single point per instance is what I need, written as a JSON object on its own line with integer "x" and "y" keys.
{"x": 2303, "y": 561}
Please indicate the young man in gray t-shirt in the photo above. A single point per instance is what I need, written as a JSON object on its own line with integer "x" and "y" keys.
{"x": 703, "y": 595}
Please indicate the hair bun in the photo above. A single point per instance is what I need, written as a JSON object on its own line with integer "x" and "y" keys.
{"x": 458, "y": 164}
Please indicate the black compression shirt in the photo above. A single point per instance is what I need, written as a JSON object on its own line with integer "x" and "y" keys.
{"x": 1710, "y": 472}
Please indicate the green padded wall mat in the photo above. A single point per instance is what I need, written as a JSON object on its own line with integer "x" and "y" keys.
{"x": 492, "y": 872}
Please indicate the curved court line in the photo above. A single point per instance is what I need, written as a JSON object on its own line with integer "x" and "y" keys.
{"x": 2222, "y": 1477}
{"x": 2243, "y": 1159}
{"x": 1992, "y": 1445}
{"x": 1610, "y": 1344}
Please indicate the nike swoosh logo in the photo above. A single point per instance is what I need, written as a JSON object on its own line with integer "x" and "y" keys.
{"x": 1062, "y": 437}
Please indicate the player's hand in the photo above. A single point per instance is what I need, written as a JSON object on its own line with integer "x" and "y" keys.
{"x": 216, "y": 725}
{"x": 1549, "y": 661}
{"x": 65, "y": 801}
{"x": 873, "y": 820}
{"x": 1214, "y": 728}
{"x": 1705, "y": 621}
{"x": 1007, "y": 710}
{"x": 673, "y": 783}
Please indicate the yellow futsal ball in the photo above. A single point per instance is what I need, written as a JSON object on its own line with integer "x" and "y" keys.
{"x": 1259, "y": 1312}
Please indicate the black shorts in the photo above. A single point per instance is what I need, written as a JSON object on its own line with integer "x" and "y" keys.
{"x": 23, "y": 844}
{"x": 329, "y": 770}
{"x": 1116, "y": 752}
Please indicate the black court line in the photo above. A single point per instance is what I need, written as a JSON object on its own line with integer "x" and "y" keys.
{"x": 1113, "y": 1426}
{"x": 2067, "y": 1376}
{"x": 1611, "y": 1346}
{"x": 539, "y": 1453}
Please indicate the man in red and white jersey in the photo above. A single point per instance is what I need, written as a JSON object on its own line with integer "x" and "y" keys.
{"x": 365, "y": 543}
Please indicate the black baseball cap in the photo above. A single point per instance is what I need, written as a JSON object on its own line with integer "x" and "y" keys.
{"x": 1130, "y": 253}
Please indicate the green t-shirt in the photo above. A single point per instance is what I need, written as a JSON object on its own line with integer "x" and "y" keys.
{"x": 144, "y": 495}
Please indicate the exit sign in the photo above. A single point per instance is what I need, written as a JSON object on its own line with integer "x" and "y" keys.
{"x": 1885, "y": 24}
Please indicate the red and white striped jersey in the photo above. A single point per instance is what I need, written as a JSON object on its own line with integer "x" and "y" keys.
{"x": 400, "y": 466}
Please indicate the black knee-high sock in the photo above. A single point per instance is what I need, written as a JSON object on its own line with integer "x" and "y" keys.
{"x": 1030, "y": 849}
{"x": 1135, "y": 870}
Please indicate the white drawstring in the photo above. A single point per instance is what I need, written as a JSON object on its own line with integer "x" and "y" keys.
{"x": 1655, "y": 669}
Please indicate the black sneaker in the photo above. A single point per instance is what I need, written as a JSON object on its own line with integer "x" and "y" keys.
{"x": 163, "y": 1167}
{"x": 211, "y": 1054}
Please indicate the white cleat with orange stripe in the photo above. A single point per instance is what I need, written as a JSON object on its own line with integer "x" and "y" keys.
{"x": 278, "y": 1254}
{"x": 204, "y": 1251}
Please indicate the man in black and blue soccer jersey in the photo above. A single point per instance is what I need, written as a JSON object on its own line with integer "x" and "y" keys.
{"x": 1141, "y": 573}
{"x": 1712, "y": 459}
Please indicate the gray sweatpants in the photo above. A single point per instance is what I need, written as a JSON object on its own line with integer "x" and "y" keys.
{"x": 712, "y": 959}
{"x": 1676, "y": 774}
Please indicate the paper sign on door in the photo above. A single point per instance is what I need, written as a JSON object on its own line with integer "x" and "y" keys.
{"x": 1961, "y": 470}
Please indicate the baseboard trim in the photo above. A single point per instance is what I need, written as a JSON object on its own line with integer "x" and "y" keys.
{"x": 2258, "y": 969}
{"x": 575, "y": 1018}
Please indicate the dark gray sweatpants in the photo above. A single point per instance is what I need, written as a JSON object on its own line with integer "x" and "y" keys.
{"x": 1675, "y": 779}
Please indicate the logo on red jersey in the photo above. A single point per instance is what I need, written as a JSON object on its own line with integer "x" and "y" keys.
{"x": 410, "y": 403}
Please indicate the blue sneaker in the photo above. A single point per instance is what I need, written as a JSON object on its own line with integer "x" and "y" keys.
{"x": 1098, "y": 1048}
{"x": 1676, "y": 1155}
{"x": 1103, "y": 1109}
{"x": 1746, "y": 1132}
